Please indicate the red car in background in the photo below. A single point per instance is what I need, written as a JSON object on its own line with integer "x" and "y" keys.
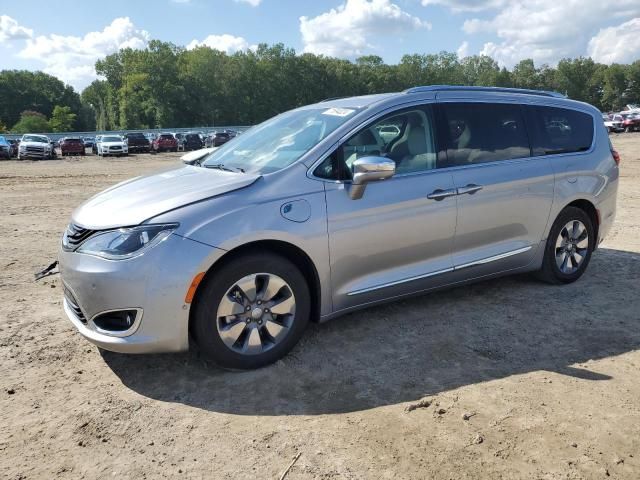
{"x": 71, "y": 146}
{"x": 165, "y": 142}
{"x": 630, "y": 122}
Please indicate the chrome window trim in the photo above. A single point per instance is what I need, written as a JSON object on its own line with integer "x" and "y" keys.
{"x": 482, "y": 261}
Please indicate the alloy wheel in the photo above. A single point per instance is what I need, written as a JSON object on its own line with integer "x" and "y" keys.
{"x": 256, "y": 313}
{"x": 572, "y": 246}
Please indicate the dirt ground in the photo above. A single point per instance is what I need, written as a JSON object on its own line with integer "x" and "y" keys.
{"x": 520, "y": 379}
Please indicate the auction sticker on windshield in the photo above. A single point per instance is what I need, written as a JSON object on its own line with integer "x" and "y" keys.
{"x": 338, "y": 112}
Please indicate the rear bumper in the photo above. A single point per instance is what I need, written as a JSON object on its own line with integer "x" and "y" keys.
{"x": 154, "y": 284}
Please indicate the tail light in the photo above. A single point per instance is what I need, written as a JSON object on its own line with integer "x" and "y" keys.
{"x": 616, "y": 156}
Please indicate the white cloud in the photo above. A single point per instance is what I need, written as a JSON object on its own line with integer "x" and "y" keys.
{"x": 346, "y": 31}
{"x": 225, "y": 43}
{"x": 463, "y": 50}
{"x": 620, "y": 44}
{"x": 10, "y": 29}
{"x": 545, "y": 30}
{"x": 72, "y": 58}
{"x": 253, "y": 3}
{"x": 184, "y": 2}
{"x": 466, "y": 5}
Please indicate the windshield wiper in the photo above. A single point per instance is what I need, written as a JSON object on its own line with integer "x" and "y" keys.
{"x": 220, "y": 166}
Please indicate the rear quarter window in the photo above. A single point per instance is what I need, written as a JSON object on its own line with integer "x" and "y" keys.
{"x": 559, "y": 130}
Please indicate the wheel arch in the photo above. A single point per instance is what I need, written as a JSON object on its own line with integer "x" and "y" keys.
{"x": 590, "y": 209}
{"x": 279, "y": 247}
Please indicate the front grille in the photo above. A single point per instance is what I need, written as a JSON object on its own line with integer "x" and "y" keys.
{"x": 75, "y": 235}
{"x": 35, "y": 149}
{"x": 115, "y": 148}
{"x": 73, "y": 304}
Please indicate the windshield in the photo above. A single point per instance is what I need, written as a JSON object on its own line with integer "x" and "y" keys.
{"x": 35, "y": 138}
{"x": 280, "y": 141}
{"x": 110, "y": 139}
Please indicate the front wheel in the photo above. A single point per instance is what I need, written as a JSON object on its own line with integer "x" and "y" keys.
{"x": 252, "y": 311}
{"x": 569, "y": 247}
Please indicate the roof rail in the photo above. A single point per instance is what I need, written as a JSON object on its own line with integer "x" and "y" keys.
{"x": 449, "y": 88}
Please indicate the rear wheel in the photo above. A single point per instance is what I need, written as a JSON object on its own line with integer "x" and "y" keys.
{"x": 252, "y": 311}
{"x": 569, "y": 247}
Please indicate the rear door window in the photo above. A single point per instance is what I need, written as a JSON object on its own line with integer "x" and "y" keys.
{"x": 483, "y": 132}
{"x": 559, "y": 130}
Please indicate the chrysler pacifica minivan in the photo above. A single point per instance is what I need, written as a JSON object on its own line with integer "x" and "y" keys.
{"x": 337, "y": 206}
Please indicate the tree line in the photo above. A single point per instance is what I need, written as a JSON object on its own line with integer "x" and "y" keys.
{"x": 165, "y": 85}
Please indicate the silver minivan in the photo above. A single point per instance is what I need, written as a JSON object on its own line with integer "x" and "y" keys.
{"x": 337, "y": 206}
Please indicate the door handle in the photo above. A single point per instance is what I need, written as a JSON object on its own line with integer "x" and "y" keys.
{"x": 440, "y": 194}
{"x": 470, "y": 189}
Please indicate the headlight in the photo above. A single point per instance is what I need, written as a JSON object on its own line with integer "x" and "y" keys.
{"x": 126, "y": 242}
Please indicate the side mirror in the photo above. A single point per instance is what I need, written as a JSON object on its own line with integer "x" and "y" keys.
{"x": 369, "y": 169}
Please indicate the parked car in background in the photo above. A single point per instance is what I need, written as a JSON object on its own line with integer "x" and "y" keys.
{"x": 112, "y": 145}
{"x": 312, "y": 214}
{"x": 94, "y": 147}
{"x": 614, "y": 123}
{"x": 630, "y": 122}
{"x": 192, "y": 141}
{"x": 71, "y": 146}
{"x": 35, "y": 146}
{"x": 13, "y": 144}
{"x": 5, "y": 148}
{"x": 165, "y": 142}
{"x": 180, "y": 138}
{"x": 151, "y": 137}
{"x": 216, "y": 139}
{"x": 89, "y": 142}
{"x": 137, "y": 142}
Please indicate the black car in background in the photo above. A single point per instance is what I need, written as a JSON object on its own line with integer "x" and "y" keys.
{"x": 13, "y": 148}
{"x": 192, "y": 141}
{"x": 216, "y": 139}
{"x": 138, "y": 142}
{"x": 89, "y": 142}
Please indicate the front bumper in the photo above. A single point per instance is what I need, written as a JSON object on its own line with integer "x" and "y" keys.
{"x": 39, "y": 155}
{"x": 154, "y": 284}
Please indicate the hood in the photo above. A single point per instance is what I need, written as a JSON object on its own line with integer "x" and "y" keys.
{"x": 110, "y": 144}
{"x": 35, "y": 144}
{"x": 136, "y": 200}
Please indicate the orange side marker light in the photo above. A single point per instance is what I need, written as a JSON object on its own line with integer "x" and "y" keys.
{"x": 193, "y": 287}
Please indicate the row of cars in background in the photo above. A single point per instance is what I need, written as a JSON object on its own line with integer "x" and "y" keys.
{"x": 625, "y": 121}
{"x": 42, "y": 147}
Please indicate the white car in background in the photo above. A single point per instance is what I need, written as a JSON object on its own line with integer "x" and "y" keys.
{"x": 614, "y": 123}
{"x": 112, "y": 145}
{"x": 35, "y": 146}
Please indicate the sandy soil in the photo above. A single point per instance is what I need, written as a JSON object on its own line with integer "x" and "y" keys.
{"x": 518, "y": 379}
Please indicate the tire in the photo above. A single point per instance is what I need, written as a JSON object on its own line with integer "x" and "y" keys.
{"x": 556, "y": 248}
{"x": 258, "y": 338}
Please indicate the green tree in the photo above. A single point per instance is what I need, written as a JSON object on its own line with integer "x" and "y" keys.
{"x": 22, "y": 90}
{"x": 62, "y": 119}
{"x": 3, "y": 127}
{"x": 31, "y": 122}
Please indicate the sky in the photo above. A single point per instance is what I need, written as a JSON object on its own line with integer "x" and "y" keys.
{"x": 66, "y": 37}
